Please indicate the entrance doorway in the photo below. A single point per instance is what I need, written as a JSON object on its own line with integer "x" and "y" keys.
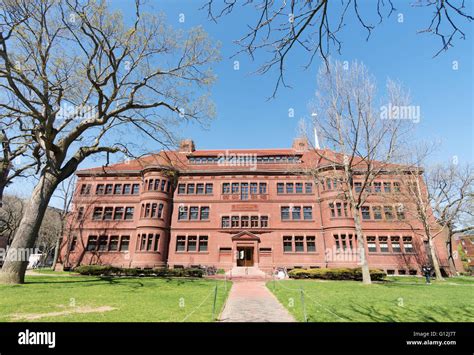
{"x": 244, "y": 256}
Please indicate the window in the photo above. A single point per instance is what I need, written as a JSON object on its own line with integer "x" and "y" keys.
{"x": 346, "y": 213}
{"x": 225, "y": 222}
{"x": 163, "y": 186}
{"x": 339, "y": 209}
{"x": 351, "y": 242}
{"x": 154, "y": 207}
{"x": 129, "y": 212}
{"x": 299, "y": 187}
{"x": 85, "y": 189}
{"x": 80, "y": 213}
{"x": 73, "y": 244}
{"x": 135, "y": 189}
{"x": 192, "y": 243}
{"x": 253, "y": 188}
{"x": 299, "y": 244}
{"x": 194, "y": 213}
{"x": 310, "y": 244}
{"x": 142, "y": 238}
{"x": 383, "y": 244}
{"x": 333, "y": 211}
{"x": 343, "y": 242}
{"x": 244, "y": 191}
{"x": 126, "y": 189}
{"x": 254, "y": 222}
{"x": 157, "y": 242}
{"x": 103, "y": 239}
{"x": 235, "y": 221}
{"x": 114, "y": 243}
{"x": 287, "y": 244}
{"x": 235, "y": 187}
{"x": 157, "y": 185}
{"x": 108, "y": 189}
{"x": 200, "y": 189}
{"x": 400, "y": 212}
{"x": 92, "y": 243}
{"x": 205, "y": 213}
{"x": 388, "y": 210}
{"x": 264, "y": 221}
{"x": 160, "y": 211}
{"x": 377, "y": 187}
{"x": 308, "y": 212}
{"x": 365, "y": 212}
{"x": 396, "y": 187}
{"x": 209, "y": 189}
{"x": 358, "y": 186}
{"x": 263, "y": 188}
{"x": 180, "y": 243}
{"x": 190, "y": 189}
{"x": 118, "y": 213}
{"x": 308, "y": 188}
{"x": 226, "y": 188}
{"x": 387, "y": 187}
{"x": 328, "y": 184}
{"x": 149, "y": 244}
{"x": 118, "y": 189}
{"x": 99, "y": 190}
{"x": 296, "y": 213}
{"x": 334, "y": 184}
{"x": 285, "y": 213}
{"x": 124, "y": 243}
{"x": 183, "y": 213}
{"x": 395, "y": 241}
{"x": 147, "y": 210}
{"x": 244, "y": 221}
{"x": 289, "y": 188}
{"x": 377, "y": 211}
{"x": 202, "y": 243}
{"x": 408, "y": 244}
{"x": 371, "y": 245}
{"x": 181, "y": 189}
{"x": 338, "y": 244}
{"x": 280, "y": 188}
{"x": 97, "y": 213}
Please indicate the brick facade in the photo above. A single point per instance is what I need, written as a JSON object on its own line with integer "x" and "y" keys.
{"x": 231, "y": 208}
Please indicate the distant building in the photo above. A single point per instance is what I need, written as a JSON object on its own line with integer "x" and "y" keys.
{"x": 235, "y": 208}
{"x": 466, "y": 242}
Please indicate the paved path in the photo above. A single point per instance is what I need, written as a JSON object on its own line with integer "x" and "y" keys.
{"x": 251, "y": 301}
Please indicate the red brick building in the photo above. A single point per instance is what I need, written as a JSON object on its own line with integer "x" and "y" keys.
{"x": 233, "y": 208}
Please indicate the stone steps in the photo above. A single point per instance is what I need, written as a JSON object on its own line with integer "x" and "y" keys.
{"x": 246, "y": 273}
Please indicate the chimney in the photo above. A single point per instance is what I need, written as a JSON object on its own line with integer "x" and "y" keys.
{"x": 186, "y": 146}
{"x": 300, "y": 144}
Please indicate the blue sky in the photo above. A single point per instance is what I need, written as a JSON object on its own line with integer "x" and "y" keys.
{"x": 246, "y": 119}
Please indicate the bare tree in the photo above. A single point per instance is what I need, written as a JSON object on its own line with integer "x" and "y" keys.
{"x": 363, "y": 145}
{"x": 441, "y": 205}
{"x": 315, "y": 25}
{"x": 11, "y": 213}
{"x": 86, "y": 83}
{"x": 65, "y": 194}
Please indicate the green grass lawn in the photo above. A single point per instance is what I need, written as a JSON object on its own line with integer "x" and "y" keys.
{"x": 96, "y": 299}
{"x": 400, "y": 299}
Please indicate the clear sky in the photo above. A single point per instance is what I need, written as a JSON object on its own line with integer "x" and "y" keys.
{"x": 246, "y": 119}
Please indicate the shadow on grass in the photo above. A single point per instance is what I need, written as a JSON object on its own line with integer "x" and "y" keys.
{"x": 398, "y": 314}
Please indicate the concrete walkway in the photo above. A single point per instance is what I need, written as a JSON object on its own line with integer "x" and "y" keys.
{"x": 251, "y": 301}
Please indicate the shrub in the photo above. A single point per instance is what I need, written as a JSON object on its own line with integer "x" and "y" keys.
{"x": 335, "y": 274}
{"x": 108, "y": 270}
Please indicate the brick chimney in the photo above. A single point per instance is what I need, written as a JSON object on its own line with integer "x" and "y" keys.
{"x": 186, "y": 146}
{"x": 300, "y": 144}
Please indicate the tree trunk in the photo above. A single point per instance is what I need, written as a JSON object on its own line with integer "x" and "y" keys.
{"x": 56, "y": 253}
{"x": 361, "y": 246}
{"x": 14, "y": 268}
{"x": 434, "y": 258}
